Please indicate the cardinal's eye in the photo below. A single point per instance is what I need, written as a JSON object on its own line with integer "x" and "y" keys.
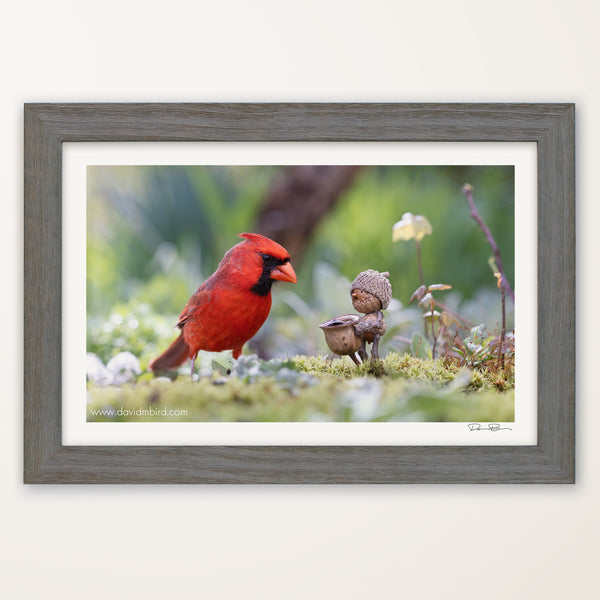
{"x": 272, "y": 262}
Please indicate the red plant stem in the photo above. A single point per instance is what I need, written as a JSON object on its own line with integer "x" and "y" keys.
{"x": 503, "y": 333}
{"x": 468, "y": 192}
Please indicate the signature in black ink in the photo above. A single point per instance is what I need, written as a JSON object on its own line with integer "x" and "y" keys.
{"x": 490, "y": 427}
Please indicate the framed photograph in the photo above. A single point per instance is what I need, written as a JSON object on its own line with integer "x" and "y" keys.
{"x": 400, "y": 307}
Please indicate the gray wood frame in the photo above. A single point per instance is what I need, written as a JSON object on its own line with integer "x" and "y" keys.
{"x": 551, "y": 126}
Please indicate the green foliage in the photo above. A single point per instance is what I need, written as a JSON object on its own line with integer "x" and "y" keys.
{"x": 174, "y": 221}
{"x": 420, "y": 346}
{"x": 358, "y": 235}
{"x": 480, "y": 348}
{"x": 130, "y": 327}
{"x": 477, "y": 347}
{"x": 166, "y": 294}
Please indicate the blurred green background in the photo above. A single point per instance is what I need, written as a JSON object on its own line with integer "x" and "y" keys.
{"x": 154, "y": 233}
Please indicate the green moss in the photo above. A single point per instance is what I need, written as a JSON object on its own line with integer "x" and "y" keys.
{"x": 313, "y": 388}
{"x": 404, "y": 366}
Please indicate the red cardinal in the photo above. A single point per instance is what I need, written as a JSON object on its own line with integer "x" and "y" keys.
{"x": 232, "y": 304}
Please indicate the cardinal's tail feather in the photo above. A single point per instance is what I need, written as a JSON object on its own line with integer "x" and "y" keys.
{"x": 176, "y": 354}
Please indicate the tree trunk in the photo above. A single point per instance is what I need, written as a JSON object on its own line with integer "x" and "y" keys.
{"x": 298, "y": 200}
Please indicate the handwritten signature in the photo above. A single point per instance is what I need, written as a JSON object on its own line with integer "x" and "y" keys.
{"x": 490, "y": 427}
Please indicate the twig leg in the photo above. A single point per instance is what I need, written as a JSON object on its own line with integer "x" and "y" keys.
{"x": 375, "y": 348}
{"x": 362, "y": 352}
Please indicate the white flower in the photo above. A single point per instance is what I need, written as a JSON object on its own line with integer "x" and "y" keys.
{"x": 411, "y": 227}
{"x": 123, "y": 367}
{"x": 96, "y": 371}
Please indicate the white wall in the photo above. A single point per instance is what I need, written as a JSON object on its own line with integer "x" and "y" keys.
{"x": 295, "y": 542}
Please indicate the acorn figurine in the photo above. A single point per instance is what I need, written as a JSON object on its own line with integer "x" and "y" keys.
{"x": 341, "y": 337}
{"x": 371, "y": 293}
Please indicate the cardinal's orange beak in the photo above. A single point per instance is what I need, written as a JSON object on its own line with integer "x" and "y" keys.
{"x": 284, "y": 272}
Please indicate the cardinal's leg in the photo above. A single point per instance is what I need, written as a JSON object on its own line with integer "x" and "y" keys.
{"x": 192, "y": 369}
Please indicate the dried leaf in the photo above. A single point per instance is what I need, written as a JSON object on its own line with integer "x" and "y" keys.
{"x": 418, "y": 293}
{"x": 426, "y": 300}
{"x": 448, "y": 319}
{"x": 438, "y": 287}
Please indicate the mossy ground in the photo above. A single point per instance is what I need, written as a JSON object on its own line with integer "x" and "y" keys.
{"x": 309, "y": 388}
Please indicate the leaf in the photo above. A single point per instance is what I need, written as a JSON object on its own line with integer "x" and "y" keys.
{"x": 426, "y": 300}
{"x": 420, "y": 346}
{"x": 432, "y": 315}
{"x": 477, "y": 331}
{"x": 222, "y": 366}
{"x": 418, "y": 293}
{"x": 439, "y": 287}
{"x": 448, "y": 319}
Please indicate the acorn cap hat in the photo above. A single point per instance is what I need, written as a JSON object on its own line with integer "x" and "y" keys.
{"x": 375, "y": 283}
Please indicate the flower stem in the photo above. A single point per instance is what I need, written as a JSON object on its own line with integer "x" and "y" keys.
{"x": 418, "y": 243}
{"x": 419, "y": 261}
{"x": 433, "y": 329}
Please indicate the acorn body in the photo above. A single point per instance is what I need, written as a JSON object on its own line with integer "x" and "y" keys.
{"x": 371, "y": 292}
{"x": 370, "y": 325}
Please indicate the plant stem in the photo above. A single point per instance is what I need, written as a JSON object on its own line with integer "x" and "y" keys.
{"x": 418, "y": 243}
{"x": 468, "y": 192}
{"x": 433, "y": 329}
{"x": 419, "y": 261}
{"x": 503, "y": 333}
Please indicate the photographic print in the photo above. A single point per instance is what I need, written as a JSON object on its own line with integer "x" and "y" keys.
{"x": 301, "y": 293}
{"x": 390, "y": 313}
